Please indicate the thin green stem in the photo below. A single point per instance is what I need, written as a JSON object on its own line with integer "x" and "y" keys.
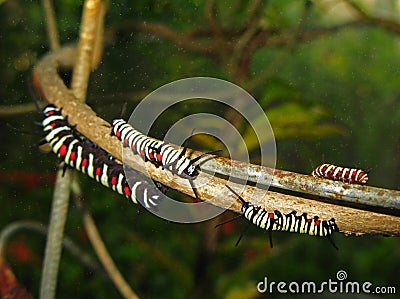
{"x": 58, "y": 217}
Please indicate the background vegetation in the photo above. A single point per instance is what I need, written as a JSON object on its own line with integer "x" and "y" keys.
{"x": 326, "y": 73}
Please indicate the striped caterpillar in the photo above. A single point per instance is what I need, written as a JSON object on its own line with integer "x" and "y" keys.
{"x": 158, "y": 152}
{"x": 337, "y": 173}
{"x": 88, "y": 158}
{"x": 284, "y": 222}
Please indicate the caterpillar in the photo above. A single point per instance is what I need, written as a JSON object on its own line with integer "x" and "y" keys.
{"x": 337, "y": 173}
{"x": 284, "y": 222}
{"x": 157, "y": 152}
{"x": 88, "y": 158}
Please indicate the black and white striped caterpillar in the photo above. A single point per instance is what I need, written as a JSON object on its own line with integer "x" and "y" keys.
{"x": 87, "y": 157}
{"x": 158, "y": 152}
{"x": 337, "y": 173}
{"x": 285, "y": 222}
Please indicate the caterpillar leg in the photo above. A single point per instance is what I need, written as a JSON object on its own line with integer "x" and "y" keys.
{"x": 270, "y": 238}
{"x": 242, "y": 233}
{"x": 331, "y": 241}
{"x": 228, "y": 221}
{"x": 193, "y": 188}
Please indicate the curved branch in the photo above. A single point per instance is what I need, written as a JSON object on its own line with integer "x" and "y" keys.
{"x": 349, "y": 220}
{"x": 99, "y": 247}
{"x": 181, "y": 39}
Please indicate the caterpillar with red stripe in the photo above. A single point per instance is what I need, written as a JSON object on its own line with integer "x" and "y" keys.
{"x": 158, "y": 152}
{"x": 88, "y": 158}
{"x": 290, "y": 222}
{"x": 337, "y": 173}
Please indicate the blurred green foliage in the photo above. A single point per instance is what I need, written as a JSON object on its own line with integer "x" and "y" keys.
{"x": 335, "y": 96}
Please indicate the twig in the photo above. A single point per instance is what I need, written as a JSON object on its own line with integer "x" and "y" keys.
{"x": 356, "y": 194}
{"x": 51, "y": 26}
{"x": 12, "y": 110}
{"x": 148, "y": 27}
{"x": 39, "y": 227}
{"x": 100, "y": 248}
{"x": 99, "y": 36}
{"x": 350, "y": 220}
{"x": 83, "y": 63}
{"x": 387, "y": 24}
{"x": 254, "y": 7}
{"x": 58, "y": 216}
{"x": 242, "y": 43}
{"x": 181, "y": 39}
{"x": 192, "y": 40}
{"x": 220, "y": 40}
{"x": 281, "y": 57}
{"x": 210, "y": 16}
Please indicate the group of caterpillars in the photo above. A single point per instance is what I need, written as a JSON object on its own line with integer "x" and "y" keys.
{"x": 83, "y": 155}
